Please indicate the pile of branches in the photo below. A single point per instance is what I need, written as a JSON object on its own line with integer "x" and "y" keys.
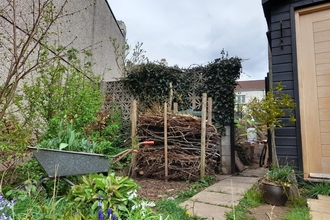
{"x": 184, "y": 147}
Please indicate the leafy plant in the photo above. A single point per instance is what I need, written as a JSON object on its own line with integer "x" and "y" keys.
{"x": 269, "y": 111}
{"x": 69, "y": 139}
{"x": 59, "y": 91}
{"x": 113, "y": 191}
{"x": 172, "y": 209}
{"x": 314, "y": 189}
{"x": 107, "y": 131}
{"x": 28, "y": 171}
{"x": 281, "y": 175}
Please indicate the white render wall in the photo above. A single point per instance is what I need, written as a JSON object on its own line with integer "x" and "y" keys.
{"x": 90, "y": 28}
{"x": 249, "y": 95}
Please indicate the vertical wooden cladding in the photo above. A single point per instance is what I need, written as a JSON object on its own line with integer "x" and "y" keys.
{"x": 281, "y": 47}
{"x": 280, "y": 19}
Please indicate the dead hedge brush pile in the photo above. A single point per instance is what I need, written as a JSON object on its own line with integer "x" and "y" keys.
{"x": 184, "y": 147}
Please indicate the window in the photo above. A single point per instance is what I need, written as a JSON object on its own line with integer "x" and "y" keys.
{"x": 240, "y": 99}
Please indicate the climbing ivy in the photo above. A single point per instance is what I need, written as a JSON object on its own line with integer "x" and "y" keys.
{"x": 149, "y": 83}
{"x": 220, "y": 82}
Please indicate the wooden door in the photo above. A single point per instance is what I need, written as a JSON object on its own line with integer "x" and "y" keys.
{"x": 313, "y": 59}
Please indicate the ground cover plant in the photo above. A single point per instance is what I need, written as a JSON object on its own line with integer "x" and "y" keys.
{"x": 252, "y": 206}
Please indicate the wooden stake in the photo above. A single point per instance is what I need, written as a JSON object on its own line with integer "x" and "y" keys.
{"x": 133, "y": 136}
{"x": 203, "y": 135}
{"x": 175, "y": 107}
{"x": 165, "y": 141}
{"x": 171, "y": 98}
{"x": 209, "y": 110}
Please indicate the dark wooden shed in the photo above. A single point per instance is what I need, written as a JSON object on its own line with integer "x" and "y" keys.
{"x": 299, "y": 46}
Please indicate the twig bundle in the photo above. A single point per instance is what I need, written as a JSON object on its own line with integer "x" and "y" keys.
{"x": 184, "y": 145}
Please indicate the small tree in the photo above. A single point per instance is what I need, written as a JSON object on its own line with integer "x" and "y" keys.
{"x": 269, "y": 111}
{"x": 25, "y": 31}
{"x": 61, "y": 91}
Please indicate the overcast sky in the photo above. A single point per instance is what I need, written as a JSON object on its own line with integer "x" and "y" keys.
{"x": 186, "y": 32}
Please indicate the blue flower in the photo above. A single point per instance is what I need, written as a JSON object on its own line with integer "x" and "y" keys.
{"x": 100, "y": 214}
{"x": 5, "y": 206}
{"x": 109, "y": 212}
{"x": 114, "y": 217}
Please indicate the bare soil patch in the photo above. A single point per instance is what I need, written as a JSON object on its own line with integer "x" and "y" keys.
{"x": 154, "y": 190}
{"x": 266, "y": 212}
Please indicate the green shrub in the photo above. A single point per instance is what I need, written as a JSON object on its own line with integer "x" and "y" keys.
{"x": 112, "y": 191}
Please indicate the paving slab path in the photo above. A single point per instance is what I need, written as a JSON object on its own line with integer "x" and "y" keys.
{"x": 319, "y": 208}
{"x": 216, "y": 200}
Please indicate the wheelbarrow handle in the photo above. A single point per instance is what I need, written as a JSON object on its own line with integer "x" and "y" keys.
{"x": 147, "y": 143}
{"x": 119, "y": 156}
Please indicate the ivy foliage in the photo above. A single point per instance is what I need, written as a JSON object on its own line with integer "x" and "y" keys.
{"x": 220, "y": 78}
{"x": 149, "y": 83}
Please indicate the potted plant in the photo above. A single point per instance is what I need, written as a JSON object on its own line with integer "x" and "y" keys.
{"x": 277, "y": 183}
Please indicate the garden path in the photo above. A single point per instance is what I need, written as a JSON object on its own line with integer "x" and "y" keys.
{"x": 215, "y": 201}
{"x": 319, "y": 208}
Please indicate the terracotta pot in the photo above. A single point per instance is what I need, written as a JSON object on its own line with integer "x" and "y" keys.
{"x": 274, "y": 194}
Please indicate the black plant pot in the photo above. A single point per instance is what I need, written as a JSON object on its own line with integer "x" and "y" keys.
{"x": 274, "y": 194}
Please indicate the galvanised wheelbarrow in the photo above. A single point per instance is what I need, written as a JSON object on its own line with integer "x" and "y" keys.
{"x": 60, "y": 163}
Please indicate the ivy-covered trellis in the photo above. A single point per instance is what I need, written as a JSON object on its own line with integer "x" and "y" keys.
{"x": 149, "y": 83}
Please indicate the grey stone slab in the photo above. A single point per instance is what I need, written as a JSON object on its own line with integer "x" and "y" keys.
{"x": 222, "y": 177}
{"x": 203, "y": 210}
{"x": 214, "y": 198}
{"x": 240, "y": 179}
{"x": 235, "y": 190}
{"x": 260, "y": 172}
{"x": 232, "y": 185}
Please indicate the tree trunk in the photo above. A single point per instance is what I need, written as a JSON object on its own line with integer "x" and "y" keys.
{"x": 274, "y": 152}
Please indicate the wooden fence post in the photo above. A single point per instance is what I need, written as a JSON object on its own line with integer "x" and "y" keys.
{"x": 171, "y": 98}
{"x": 203, "y": 135}
{"x": 133, "y": 136}
{"x": 209, "y": 110}
{"x": 165, "y": 141}
{"x": 175, "y": 107}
